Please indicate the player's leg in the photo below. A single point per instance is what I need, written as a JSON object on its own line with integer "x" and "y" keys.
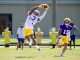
{"x": 59, "y": 45}
{"x": 27, "y": 37}
{"x": 18, "y": 44}
{"x": 22, "y": 41}
{"x": 65, "y": 40}
{"x": 29, "y": 40}
{"x": 27, "y": 33}
{"x": 22, "y": 46}
{"x": 60, "y": 42}
{"x": 70, "y": 44}
{"x": 74, "y": 43}
{"x": 32, "y": 37}
{"x": 64, "y": 49}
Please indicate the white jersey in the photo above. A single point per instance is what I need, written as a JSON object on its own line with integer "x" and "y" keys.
{"x": 31, "y": 21}
{"x": 20, "y": 32}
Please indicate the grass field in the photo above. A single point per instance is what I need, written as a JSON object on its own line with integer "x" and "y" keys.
{"x": 14, "y": 40}
{"x": 46, "y": 53}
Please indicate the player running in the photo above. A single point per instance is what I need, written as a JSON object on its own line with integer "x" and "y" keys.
{"x": 64, "y": 35}
{"x": 32, "y": 18}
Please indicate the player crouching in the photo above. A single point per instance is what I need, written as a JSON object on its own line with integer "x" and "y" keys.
{"x": 32, "y": 18}
{"x": 64, "y": 35}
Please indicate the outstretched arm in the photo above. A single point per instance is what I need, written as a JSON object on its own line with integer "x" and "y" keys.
{"x": 76, "y": 30}
{"x": 43, "y": 15}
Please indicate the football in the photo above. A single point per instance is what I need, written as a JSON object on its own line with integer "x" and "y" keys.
{"x": 45, "y": 5}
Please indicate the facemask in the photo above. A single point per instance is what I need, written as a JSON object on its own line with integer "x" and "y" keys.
{"x": 22, "y": 26}
{"x": 36, "y": 12}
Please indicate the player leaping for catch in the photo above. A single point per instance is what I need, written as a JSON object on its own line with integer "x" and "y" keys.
{"x": 32, "y": 18}
{"x": 64, "y": 35}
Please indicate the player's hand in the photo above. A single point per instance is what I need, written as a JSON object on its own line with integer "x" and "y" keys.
{"x": 41, "y": 6}
{"x": 69, "y": 38}
{"x": 47, "y": 8}
{"x": 59, "y": 36}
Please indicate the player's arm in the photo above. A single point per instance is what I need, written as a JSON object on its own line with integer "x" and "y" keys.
{"x": 76, "y": 30}
{"x": 43, "y": 15}
{"x": 30, "y": 12}
{"x": 59, "y": 31}
{"x": 40, "y": 6}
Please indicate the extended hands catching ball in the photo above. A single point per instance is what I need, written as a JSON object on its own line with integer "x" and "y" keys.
{"x": 46, "y": 6}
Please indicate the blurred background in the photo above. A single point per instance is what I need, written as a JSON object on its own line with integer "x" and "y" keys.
{"x": 13, "y": 12}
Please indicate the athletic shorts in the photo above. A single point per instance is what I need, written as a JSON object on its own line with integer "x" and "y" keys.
{"x": 72, "y": 37}
{"x": 20, "y": 40}
{"x": 28, "y": 32}
{"x": 63, "y": 40}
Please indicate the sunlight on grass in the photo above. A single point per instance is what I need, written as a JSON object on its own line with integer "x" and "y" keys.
{"x": 46, "y": 53}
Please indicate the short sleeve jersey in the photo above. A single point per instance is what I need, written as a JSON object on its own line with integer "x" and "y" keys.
{"x": 65, "y": 29}
{"x": 31, "y": 21}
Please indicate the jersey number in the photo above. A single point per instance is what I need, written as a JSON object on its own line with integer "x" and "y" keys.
{"x": 33, "y": 18}
{"x": 66, "y": 31}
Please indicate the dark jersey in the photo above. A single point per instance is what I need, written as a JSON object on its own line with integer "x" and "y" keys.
{"x": 65, "y": 29}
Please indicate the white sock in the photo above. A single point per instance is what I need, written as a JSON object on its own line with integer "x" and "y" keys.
{"x": 30, "y": 43}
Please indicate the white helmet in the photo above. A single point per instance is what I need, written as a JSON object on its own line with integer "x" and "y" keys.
{"x": 67, "y": 21}
{"x": 36, "y": 12}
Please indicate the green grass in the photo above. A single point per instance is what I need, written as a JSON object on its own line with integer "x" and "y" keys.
{"x": 46, "y": 53}
{"x": 44, "y": 40}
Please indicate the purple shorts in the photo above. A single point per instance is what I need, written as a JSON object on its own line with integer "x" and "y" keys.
{"x": 72, "y": 37}
{"x": 20, "y": 40}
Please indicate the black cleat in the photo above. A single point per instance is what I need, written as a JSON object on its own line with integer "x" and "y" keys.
{"x": 39, "y": 49}
{"x": 29, "y": 46}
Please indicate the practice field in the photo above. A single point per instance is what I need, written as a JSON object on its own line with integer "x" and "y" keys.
{"x": 14, "y": 40}
{"x": 46, "y": 53}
